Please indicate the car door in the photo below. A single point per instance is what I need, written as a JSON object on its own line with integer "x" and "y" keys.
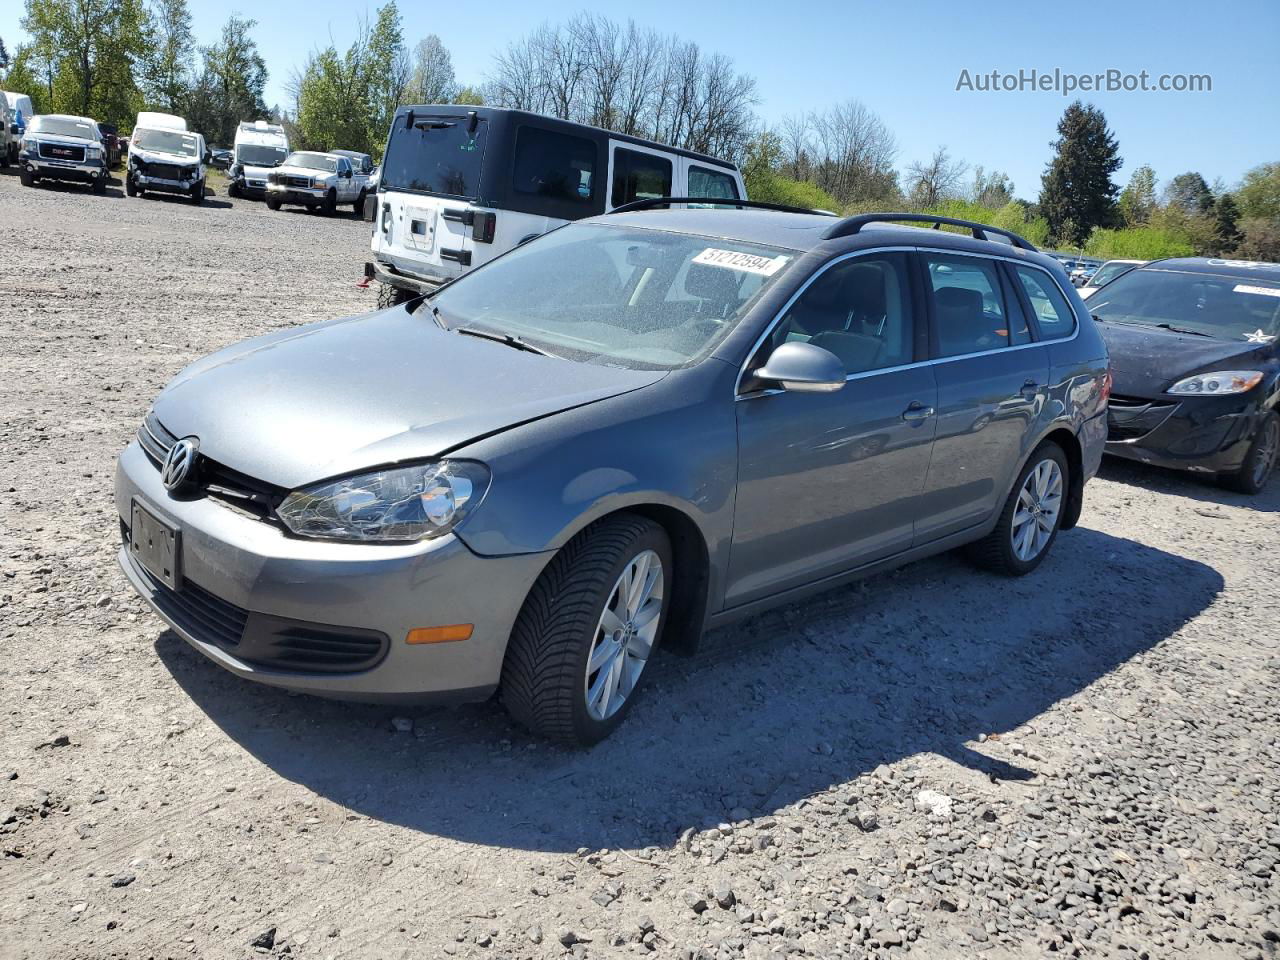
{"x": 343, "y": 188}
{"x": 829, "y": 481}
{"x": 992, "y": 387}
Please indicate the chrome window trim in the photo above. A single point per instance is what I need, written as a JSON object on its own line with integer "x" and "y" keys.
{"x": 742, "y": 371}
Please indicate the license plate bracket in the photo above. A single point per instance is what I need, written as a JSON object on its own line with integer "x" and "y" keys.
{"x": 155, "y": 545}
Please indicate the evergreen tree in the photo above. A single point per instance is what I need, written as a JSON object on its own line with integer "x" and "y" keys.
{"x": 1076, "y": 192}
{"x": 1226, "y": 216}
{"x": 166, "y": 69}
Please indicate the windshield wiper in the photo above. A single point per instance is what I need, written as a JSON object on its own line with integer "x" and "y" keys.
{"x": 1170, "y": 327}
{"x": 438, "y": 317}
{"x": 504, "y": 338}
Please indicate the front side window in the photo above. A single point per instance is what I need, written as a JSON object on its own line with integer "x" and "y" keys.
{"x": 639, "y": 176}
{"x": 1053, "y": 314}
{"x": 858, "y": 309}
{"x": 554, "y": 166}
{"x": 711, "y": 183}
{"x": 636, "y": 298}
{"x": 1230, "y": 308}
{"x": 968, "y": 304}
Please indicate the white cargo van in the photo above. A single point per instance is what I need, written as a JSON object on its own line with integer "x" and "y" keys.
{"x": 460, "y": 185}
{"x": 260, "y": 147}
{"x": 164, "y": 156}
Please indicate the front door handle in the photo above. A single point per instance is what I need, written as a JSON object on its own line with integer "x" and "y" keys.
{"x": 917, "y": 411}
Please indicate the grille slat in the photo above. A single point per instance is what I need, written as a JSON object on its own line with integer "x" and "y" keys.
{"x": 58, "y": 151}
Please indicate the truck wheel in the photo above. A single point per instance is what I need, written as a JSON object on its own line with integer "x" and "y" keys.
{"x": 28, "y": 180}
{"x": 1260, "y": 461}
{"x": 358, "y": 207}
{"x": 389, "y": 296}
{"x": 100, "y": 185}
{"x": 588, "y": 629}
{"x": 273, "y": 203}
{"x": 330, "y": 205}
{"x": 4, "y": 158}
{"x": 197, "y": 193}
{"x": 233, "y": 189}
{"x": 130, "y": 188}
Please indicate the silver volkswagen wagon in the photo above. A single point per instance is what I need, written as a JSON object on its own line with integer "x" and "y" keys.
{"x": 611, "y": 438}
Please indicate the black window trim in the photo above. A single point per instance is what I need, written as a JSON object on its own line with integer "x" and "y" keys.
{"x": 615, "y": 148}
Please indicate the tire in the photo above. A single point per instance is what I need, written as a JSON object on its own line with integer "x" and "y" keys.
{"x": 1260, "y": 461}
{"x": 233, "y": 190}
{"x": 100, "y": 185}
{"x": 4, "y": 158}
{"x": 273, "y": 203}
{"x": 25, "y": 175}
{"x": 389, "y": 296}
{"x": 358, "y": 206}
{"x": 998, "y": 551}
{"x": 130, "y": 188}
{"x": 546, "y": 683}
{"x": 197, "y": 193}
{"x": 330, "y": 205}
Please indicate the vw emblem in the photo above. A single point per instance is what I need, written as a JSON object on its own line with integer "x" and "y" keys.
{"x": 176, "y": 469}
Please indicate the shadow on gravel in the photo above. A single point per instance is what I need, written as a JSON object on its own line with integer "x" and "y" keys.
{"x": 59, "y": 186}
{"x": 209, "y": 201}
{"x": 772, "y": 710}
{"x": 1194, "y": 486}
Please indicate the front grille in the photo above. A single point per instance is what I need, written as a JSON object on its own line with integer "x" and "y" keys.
{"x": 59, "y": 151}
{"x": 165, "y": 171}
{"x": 232, "y": 488}
{"x": 1129, "y": 418}
{"x": 292, "y": 181}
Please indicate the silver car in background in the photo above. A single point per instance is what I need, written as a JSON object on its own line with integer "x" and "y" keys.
{"x": 611, "y": 438}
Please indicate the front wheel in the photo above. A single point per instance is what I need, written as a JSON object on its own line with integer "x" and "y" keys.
{"x": 330, "y": 205}
{"x": 588, "y": 629}
{"x": 28, "y": 179}
{"x": 1260, "y": 461}
{"x": 1031, "y": 518}
{"x": 273, "y": 203}
{"x": 358, "y": 206}
{"x": 100, "y": 185}
{"x": 130, "y": 188}
{"x": 197, "y": 193}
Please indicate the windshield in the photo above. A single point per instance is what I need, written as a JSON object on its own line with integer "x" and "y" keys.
{"x": 622, "y": 296}
{"x": 257, "y": 155}
{"x": 1230, "y": 308}
{"x": 59, "y": 127}
{"x": 1109, "y": 272}
{"x": 166, "y": 141}
{"x": 436, "y": 155}
{"x": 312, "y": 161}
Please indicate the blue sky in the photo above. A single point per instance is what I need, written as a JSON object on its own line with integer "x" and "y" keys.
{"x": 903, "y": 61}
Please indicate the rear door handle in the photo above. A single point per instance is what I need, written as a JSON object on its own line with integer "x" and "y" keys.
{"x": 917, "y": 411}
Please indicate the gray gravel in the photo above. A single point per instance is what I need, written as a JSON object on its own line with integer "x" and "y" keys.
{"x": 935, "y": 762}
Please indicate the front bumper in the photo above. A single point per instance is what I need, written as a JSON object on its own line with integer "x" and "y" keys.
{"x": 282, "y": 584}
{"x": 161, "y": 184}
{"x": 1201, "y": 434}
{"x": 285, "y": 194}
{"x": 90, "y": 171}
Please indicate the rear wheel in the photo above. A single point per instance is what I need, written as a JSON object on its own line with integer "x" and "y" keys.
{"x": 1031, "y": 517}
{"x": 358, "y": 206}
{"x": 389, "y": 296}
{"x": 587, "y": 631}
{"x": 1260, "y": 461}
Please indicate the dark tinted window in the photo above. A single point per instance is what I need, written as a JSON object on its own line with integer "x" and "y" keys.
{"x": 555, "y": 166}
{"x": 1053, "y": 314}
{"x": 968, "y": 304}
{"x": 1232, "y": 308}
{"x": 639, "y": 176}
{"x": 436, "y": 155}
{"x": 857, "y": 309}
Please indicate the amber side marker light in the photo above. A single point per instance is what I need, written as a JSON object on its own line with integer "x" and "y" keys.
{"x": 450, "y": 634}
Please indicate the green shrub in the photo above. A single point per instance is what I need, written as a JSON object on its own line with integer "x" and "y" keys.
{"x": 1137, "y": 243}
{"x": 772, "y": 188}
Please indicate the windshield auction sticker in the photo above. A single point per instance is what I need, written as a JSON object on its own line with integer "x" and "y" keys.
{"x": 745, "y": 262}
{"x": 1260, "y": 291}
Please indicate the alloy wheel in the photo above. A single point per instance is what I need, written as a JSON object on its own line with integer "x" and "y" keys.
{"x": 625, "y": 635}
{"x": 1036, "y": 515}
{"x": 1268, "y": 447}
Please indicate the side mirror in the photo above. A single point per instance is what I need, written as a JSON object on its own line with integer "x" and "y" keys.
{"x": 803, "y": 368}
{"x": 208, "y": 157}
{"x": 346, "y": 174}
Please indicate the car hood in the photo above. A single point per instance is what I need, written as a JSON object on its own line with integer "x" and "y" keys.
{"x": 1146, "y": 361}
{"x": 159, "y": 156}
{"x": 258, "y": 170}
{"x": 303, "y": 171}
{"x": 314, "y": 402}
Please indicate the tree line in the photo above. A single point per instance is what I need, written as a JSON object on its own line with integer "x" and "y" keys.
{"x": 110, "y": 58}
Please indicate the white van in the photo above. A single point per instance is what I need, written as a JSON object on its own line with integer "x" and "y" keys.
{"x": 460, "y": 185}
{"x": 20, "y": 111}
{"x": 7, "y": 136}
{"x": 164, "y": 156}
{"x": 260, "y": 147}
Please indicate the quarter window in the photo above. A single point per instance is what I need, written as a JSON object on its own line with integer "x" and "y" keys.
{"x": 968, "y": 305}
{"x": 711, "y": 183}
{"x": 1053, "y": 314}
{"x": 859, "y": 310}
{"x": 555, "y": 166}
{"x": 639, "y": 176}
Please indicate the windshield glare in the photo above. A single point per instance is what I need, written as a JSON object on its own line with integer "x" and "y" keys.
{"x": 621, "y": 296}
{"x": 57, "y": 127}
{"x": 1230, "y": 308}
{"x": 312, "y": 161}
{"x": 257, "y": 155}
{"x": 166, "y": 141}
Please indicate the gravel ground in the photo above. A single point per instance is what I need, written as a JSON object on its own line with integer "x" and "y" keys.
{"x": 934, "y": 762}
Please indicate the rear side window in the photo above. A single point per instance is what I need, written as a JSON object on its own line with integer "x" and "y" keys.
{"x": 639, "y": 176}
{"x": 1053, "y": 314}
{"x": 968, "y": 304}
{"x": 557, "y": 167}
{"x": 711, "y": 183}
{"x": 435, "y": 155}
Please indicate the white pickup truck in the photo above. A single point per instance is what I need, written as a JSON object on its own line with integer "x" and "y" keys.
{"x": 316, "y": 180}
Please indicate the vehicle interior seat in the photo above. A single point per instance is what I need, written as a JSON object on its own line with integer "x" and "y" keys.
{"x": 963, "y": 327}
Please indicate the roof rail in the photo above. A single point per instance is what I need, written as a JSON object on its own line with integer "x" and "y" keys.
{"x": 650, "y": 202}
{"x": 851, "y": 225}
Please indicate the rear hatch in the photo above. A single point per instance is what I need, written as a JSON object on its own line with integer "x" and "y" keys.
{"x": 430, "y": 178}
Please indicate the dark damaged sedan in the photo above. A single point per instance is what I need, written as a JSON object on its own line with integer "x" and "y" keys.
{"x": 1197, "y": 371}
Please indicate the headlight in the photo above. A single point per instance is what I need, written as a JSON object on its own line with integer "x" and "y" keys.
{"x": 1218, "y": 383}
{"x": 93, "y": 153}
{"x": 401, "y": 504}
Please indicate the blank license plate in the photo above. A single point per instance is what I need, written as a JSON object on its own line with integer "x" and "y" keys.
{"x": 154, "y": 544}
